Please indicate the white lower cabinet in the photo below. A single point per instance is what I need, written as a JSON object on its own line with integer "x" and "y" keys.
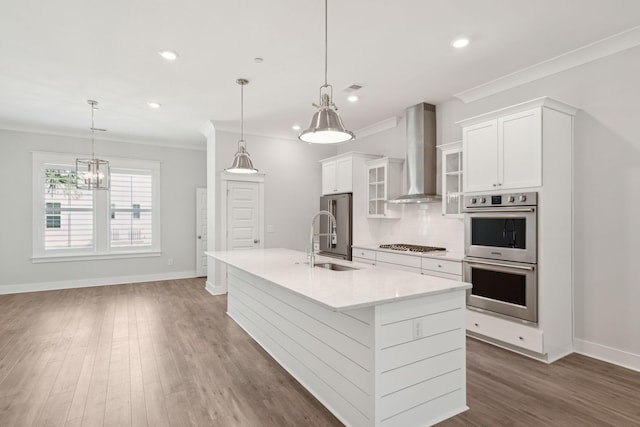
{"x": 448, "y": 269}
{"x": 516, "y": 334}
{"x": 442, "y": 268}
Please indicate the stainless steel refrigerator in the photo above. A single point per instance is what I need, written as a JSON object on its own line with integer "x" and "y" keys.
{"x": 341, "y": 206}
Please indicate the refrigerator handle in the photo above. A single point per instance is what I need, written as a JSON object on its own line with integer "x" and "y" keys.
{"x": 332, "y": 240}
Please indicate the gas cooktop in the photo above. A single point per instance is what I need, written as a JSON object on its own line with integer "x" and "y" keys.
{"x": 411, "y": 248}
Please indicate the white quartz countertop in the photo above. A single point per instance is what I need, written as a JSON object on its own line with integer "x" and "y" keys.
{"x": 448, "y": 255}
{"x": 337, "y": 290}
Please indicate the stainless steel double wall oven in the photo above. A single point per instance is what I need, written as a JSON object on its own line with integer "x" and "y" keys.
{"x": 500, "y": 233}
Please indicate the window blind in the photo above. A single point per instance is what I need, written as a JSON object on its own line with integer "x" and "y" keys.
{"x": 68, "y": 212}
{"x": 131, "y": 219}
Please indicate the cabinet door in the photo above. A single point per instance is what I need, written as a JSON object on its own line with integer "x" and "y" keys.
{"x": 520, "y": 149}
{"x": 329, "y": 178}
{"x": 480, "y": 161}
{"x": 344, "y": 175}
{"x": 374, "y": 176}
{"x": 451, "y": 182}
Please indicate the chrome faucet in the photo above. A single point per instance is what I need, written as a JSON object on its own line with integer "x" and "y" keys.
{"x": 312, "y": 235}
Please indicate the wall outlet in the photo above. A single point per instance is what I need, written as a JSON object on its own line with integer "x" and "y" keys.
{"x": 170, "y": 261}
{"x": 270, "y": 228}
{"x": 417, "y": 328}
{"x": 316, "y": 246}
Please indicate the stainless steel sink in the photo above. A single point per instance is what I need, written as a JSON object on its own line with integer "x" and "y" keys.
{"x": 334, "y": 267}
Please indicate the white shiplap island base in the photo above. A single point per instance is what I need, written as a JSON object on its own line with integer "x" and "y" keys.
{"x": 377, "y": 347}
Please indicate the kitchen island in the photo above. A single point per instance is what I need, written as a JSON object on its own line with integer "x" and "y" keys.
{"x": 378, "y": 347}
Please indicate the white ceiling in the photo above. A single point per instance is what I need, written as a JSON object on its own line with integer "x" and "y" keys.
{"x": 58, "y": 54}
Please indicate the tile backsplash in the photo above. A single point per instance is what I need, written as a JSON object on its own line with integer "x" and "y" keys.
{"x": 420, "y": 224}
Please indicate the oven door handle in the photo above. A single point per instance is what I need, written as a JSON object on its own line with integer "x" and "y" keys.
{"x": 490, "y": 210}
{"x": 497, "y": 264}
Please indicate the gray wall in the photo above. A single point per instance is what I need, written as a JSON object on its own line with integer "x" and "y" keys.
{"x": 292, "y": 184}
{"x": 606, "y": 194}
{"x": 182, "y": 171}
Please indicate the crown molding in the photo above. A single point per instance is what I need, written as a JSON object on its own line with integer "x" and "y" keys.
{"x": 381, "y": 126}
{"x": 617, "y": 43}
{"x": 543, "y": 101}
{"x": 155, "y": 143}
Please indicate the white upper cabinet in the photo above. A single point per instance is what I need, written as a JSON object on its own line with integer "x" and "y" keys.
{"x": 503, "y": 153}
{"x": 384, "y": 178}
{"x": 329, "y": 180}
{"x": 344, "y": 175}
{"x": 452, "y": 179}
{"x": 520, "y": 149}
{"x": 480, "y": 163}
{"x": 338, "y": 172}
{"x": 337, "y": 175}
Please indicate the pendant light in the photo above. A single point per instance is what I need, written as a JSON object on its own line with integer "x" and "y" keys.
{"x": 241, "y": 160}
{"x": 326, "y": 125}
{"x": 93, "y": 174}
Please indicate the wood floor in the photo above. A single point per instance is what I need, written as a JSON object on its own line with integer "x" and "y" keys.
{"x": 165, "y": 354}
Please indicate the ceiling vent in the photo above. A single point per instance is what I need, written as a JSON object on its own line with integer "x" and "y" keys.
{"x": 354, "y": 87}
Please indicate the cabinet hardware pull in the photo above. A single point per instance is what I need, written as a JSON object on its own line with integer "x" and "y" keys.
{"x": 521, "y": 339}
{"x": 506, "y": 209}
{"x": 476, "y": 324}
{"x": 498, "y": 264}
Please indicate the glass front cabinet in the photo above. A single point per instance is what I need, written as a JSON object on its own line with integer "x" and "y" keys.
{"x": 452, "y": 180}
{"x": 384, "y": 178}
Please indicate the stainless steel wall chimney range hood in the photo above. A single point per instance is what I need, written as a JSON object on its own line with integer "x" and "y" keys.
{"x": 421, "y": 155}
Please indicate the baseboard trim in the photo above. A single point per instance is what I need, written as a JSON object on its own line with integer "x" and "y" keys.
{"x": 607, "y": 354}
{"x": 87, "y": 283}
{"x": 215, "y": 289}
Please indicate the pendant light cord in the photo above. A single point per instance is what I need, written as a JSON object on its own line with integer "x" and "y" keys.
{"x": 242, "y": 82}
{"x": 93, "y": 126}
{"x": 326, "y": 40}
{"x": 241, "y": 113}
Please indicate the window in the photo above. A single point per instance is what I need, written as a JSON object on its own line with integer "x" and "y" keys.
{"x": 131, "y": 225}
{"x": 82, "y": 223}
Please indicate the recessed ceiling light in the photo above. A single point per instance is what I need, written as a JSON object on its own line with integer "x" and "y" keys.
{"x": 168, "y": 55}
{"x": 352, "y": 98}
{"x": 460, "y": 43}
{"x": 295, "y": 127}
{"x": 152, "y": 104}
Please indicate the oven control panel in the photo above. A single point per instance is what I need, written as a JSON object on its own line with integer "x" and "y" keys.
{"x": 500, "y": 200}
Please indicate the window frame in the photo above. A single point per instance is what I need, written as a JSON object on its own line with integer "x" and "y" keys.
{"x": 101, "y": 209}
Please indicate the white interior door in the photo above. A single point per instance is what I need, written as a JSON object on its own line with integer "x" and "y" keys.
{"x": 243, "y": 215}
{"x": 201, "y": 232}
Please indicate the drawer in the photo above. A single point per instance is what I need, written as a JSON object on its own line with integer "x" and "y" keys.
{"x": 442, "y": 266}
{"x": 363, "y": 253}
{"x": 398, "y": 267}
{"x": 400, "y": 259}
{"x": 516, "y": 334}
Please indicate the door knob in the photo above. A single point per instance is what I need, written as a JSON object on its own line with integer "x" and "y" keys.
{"x": 199, "y": 237}
{"x": 256, "y": 240}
